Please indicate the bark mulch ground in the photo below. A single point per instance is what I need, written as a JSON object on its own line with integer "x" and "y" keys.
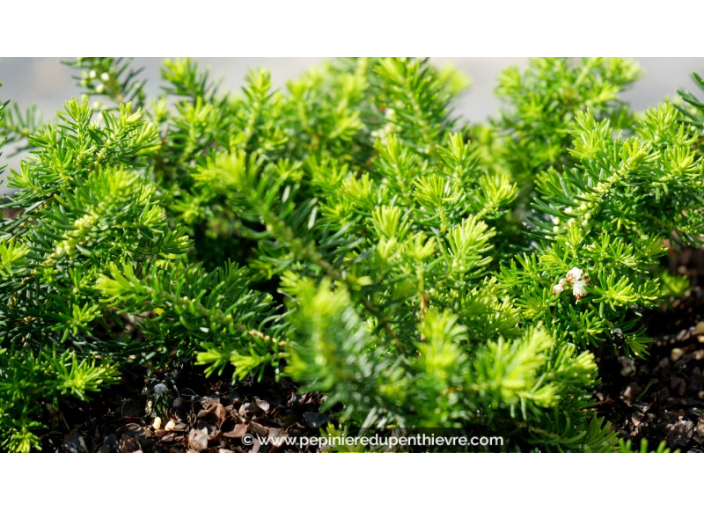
{"x": 204, "y": 415}
{"x": 661, "y": 398}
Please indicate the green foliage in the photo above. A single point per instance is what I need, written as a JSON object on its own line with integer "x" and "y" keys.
{"x": 190, "y": 307}
{"x": 542, "y": 102}
{"x": 16, "y": 125}
{"x": 627, "y": 447}
{"x": 348, "y": 233}
{"x": 693, "y": 110}
{"x": 82, "y": 208}
{"x": 109, "y": 78}
{"x": 609, "y": 216}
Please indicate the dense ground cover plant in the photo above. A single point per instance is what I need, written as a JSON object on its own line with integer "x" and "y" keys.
{"x": 348, "y": 233}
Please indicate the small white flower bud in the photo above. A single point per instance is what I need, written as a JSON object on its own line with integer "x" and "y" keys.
{"x": 93, "y": 74}
{"x": 100, "y": 88}
{"x": 105, "y": 77}
{"x": 557, "y": 289}
{"x": 574, "y": 274}
{"x": 580, "y": 289}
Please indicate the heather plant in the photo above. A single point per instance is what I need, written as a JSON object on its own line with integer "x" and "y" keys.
{"x": 349, "y": 233}
{"x": 541, "y": 103}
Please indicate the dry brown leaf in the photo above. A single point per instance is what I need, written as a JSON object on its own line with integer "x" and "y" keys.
{"x": 239, "y": 431}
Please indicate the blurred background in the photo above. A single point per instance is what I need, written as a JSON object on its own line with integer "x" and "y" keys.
{"x": 48, "y": 83}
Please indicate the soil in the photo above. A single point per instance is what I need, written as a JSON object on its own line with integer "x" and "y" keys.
{"x": 204, "y": 415}
{"x": 661, "y": 398}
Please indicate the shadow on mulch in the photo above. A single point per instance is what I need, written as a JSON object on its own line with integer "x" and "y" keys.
{"x": 200, "y": 415}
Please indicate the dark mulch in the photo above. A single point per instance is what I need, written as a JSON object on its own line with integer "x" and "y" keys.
{"x": 201, "y": 415}
{"x": 661, "y": 398}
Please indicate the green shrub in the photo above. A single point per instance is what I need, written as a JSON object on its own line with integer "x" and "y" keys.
{"x": 349, "y": 233}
